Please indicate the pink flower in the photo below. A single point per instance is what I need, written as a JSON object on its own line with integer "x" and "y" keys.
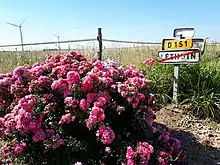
{"x": 23, "y": 120}
{"x": 90, "y": 97}
{"x": 145, "y": 149}
{"x": 150, "y": 62}
{"x": 34, "y": 125}
{"x": 1, "y": 121}
{"x": 73, "y": 77}
{"x": 130, "y": 153}
{"x": 163, "y": 158}
{"x": 44, "y": 79}
{"x": 84, "y": 105}
{"x": 100, "y": 102}
{"x": 18, "y": 149}
{"x": 106, "y": 133}
{"x": 98, "y": 64}
{"x": 143, "y": 160}
{"x": 36, "y": 64}
{"x": 162, "y": 161}
{"x": 46, "y": 98}
{"x": 97, "y": 115}
{"x": 87, "y": 84}
{"x": 106, "y": 96}
{"x": 39, "y": 135}
{"x": 5, "y": 81}
{"x": 135, "y": 103}
{"x": 48, "y": 66}
{"x": 60, "y": 142}
{"x": 28, "y": 103}
{"x": 142, "y": 97}
{"x": 71, "y": 102}
{"x": 20, "y": 72}
{"x": 37, "y": 70}
{"x": 67, "y": 118}
{"x": 61, "y": 85}
{"x": 50, "y": 107}
{"x": 93, "y": 60}
{"x": 89, "y": 124}
{"x": 162, "y": 153}
{"x": 131, "y": 162}
{"x": 23, "y": 145}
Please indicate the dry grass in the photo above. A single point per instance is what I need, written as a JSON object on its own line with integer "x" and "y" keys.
{"x": 129, "y": 55}
{"x": 124, "y": 56}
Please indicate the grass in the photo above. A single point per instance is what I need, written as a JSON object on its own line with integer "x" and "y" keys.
{"x": 200, "y": 88}
{"x": 127, "y": 55}
{"x": 199, "y": 84}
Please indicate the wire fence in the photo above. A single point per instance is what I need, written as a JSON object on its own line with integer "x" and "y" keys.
{"x": 124, "y": 52}
{"x": 46, "y": 43}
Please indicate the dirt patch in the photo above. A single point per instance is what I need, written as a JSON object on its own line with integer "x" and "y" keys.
{"x": 201, "y": 138}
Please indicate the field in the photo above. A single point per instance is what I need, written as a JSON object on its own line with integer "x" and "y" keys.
{"x": 124, "y": 56}
{"x": 201, "y": 133}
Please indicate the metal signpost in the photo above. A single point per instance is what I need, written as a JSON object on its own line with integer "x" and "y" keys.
{"x": 180, "y": 50}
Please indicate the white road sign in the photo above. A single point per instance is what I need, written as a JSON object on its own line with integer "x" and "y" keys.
{"x": 179, "y": 56}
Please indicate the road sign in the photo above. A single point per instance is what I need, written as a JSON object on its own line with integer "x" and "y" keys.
{"x": 199, "y": 42}
{"x": 170, "y": 44}
{"x": 183, "y": 48}
{"x": 179, "y": 56}
{"x": 186, "y": 32}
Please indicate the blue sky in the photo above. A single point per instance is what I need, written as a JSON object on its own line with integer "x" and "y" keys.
{"x": 138, "y": 20}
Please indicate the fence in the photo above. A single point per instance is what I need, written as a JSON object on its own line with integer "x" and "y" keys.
{"x": 124, "y": 52}
{"x": 99, "y": 39}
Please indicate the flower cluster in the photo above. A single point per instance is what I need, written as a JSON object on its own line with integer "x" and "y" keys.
{"x": 149, "y": 62}
{"x": 12, "y": 148}
{"x": 141, "y": 155}
{"x": 106, "y": 133}
{"x": 75, "y": 106}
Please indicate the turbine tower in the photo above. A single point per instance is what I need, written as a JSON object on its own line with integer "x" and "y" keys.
{"x": 58, "y": 40}
{"x": 19, "y": 26}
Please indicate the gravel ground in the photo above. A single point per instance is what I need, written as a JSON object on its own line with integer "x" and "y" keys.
{"x": 201, "y": 138}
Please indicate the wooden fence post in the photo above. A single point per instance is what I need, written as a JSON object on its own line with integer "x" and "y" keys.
{"x": 99, "y": 39}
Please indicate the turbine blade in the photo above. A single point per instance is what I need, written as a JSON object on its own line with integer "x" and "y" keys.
{"x": 12, "y": 24}
{"x": 55, "y": 35}
{"x": 23, "y": 21}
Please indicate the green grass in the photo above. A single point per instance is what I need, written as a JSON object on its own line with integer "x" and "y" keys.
{"x": 199, "y": 85}
{"x": 200, "y": 88}
{"x": 162, "y": 80}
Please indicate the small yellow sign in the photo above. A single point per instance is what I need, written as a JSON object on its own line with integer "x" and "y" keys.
{"x": 171, "y": 44}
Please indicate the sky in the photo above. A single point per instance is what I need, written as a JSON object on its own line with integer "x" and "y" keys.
{"x": 136, "y": 20}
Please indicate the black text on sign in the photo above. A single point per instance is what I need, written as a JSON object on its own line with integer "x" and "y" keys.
{"x": 179, "y": 56}
{"x": 171, "y": 44}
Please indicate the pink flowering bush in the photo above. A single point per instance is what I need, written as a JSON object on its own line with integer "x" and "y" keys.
{"x": 69, "y": 110}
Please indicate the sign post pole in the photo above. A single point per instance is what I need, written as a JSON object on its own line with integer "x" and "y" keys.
{"x": 176, "y": 79}
{"x": 176, "y": 83}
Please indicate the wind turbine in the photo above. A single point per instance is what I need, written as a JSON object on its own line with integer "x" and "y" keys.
{"x": 19, "y": 26}
{"x": 58, "y": 40}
